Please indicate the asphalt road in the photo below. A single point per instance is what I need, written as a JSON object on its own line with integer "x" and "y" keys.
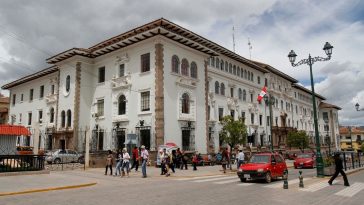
{"x": 202, "y": 190}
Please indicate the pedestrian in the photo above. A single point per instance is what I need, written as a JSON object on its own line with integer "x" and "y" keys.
{"x": 144, "y": 156}
{"x": 119, "y": 161}
{"x": 339, "y": 169}
{"x": 195, "y": 161}
{"x": 167, "y": 162}
{"x": 162, "y": 161}
{"x": 240, "y": 158}
{"x": 184, "y": 160}
{"x": 126, "y": 158}
{"x": 224, "y": 159}
{"x": 135, "y": 154}
{"x": 178, "y": 158}
{"x": 109, "y": 162}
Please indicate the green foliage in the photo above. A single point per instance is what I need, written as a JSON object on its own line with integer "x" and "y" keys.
{"x": 298, "y": 139}
{"x": 233, "y": 131}
{"x": 328, "y": 161}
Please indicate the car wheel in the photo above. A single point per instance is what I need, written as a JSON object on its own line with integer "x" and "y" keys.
{"x": 80, "y": 160}
{"x": 57, "y": 161}
{"x": 243, "y": 179}
{"x": 268, "y": 177}
{"x": 285, "y": 174}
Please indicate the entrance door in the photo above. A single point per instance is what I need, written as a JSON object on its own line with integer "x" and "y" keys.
{"x": 50, "y": 142}
{"x": 186, "y": 139}
{"x": 145, "y": 138}
{"x": 62, "y": 144}
{"x": 120, "y": 139}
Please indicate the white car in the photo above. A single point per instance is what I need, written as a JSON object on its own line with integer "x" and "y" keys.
{"x": 58, "y": 156}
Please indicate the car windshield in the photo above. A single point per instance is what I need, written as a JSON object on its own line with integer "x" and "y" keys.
{"x": 259, "y": 159}
{"x": 304, "y": 156}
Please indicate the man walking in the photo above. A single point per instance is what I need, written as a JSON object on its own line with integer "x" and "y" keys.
{"x": 339, "y": 169}
{"x": 144, "y": 155}
{"x": 240, "y": 158}
{"x": 135, "y": 153}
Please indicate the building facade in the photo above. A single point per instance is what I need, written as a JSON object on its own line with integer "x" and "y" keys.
{"x": 352, "y": 138}
{"x": 4, "y": 109}
{"x": 155, "y": 84}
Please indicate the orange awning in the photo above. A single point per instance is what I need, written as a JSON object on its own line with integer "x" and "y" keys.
{"x": 15, "y": 130}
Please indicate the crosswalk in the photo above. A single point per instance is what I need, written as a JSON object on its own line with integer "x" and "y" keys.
{"x": 313, "y": 185}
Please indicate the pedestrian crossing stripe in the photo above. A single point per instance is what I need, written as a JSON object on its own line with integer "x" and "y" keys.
{"x": 202, "y": 177}
{"x": 352, "y": 190}
{"x": 215, "y": 179}
{"x": 245, "y": 184}
{"x": 318, "y": 186}
{"x": 228, "y": 181}
{"x": 280, "y": 183}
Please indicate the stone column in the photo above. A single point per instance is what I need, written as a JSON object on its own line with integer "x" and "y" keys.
{"x": 206, "y": 108}
{"x": 159, "y": 95}
{"x": 76, "y": 109}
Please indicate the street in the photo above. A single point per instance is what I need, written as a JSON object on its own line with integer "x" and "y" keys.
{"x": 188, "y": 187}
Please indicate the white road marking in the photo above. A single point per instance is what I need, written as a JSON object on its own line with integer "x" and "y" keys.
{"x": 351, "y": 190}
{"x": 280, "y": 183}
{"x": 318, "y": 186}
{"x": 245, "y": 184}
{"x": 194, "y": 178}
{"x": 214, "y": 179}
{"x": 228, "y": 181}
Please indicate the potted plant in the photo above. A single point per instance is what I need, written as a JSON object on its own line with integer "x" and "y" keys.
{"x": 329, "y": 166}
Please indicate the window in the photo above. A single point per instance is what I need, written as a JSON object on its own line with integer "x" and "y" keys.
{"x": 222, "y": 89}
{"x": 243, "y": 115}
{"x": 226, "y": 66}
{"x": 282, "y": 104}
{"x": 244, "y": 95}
{"x": 20, "y": 118}
{"x": 252, "y": 77}
{"x": 29, "y": 118}
{"x": 260, "y": 120}
{"x": 230, "y": 68}
{"x": 40, "y": 116}
{"x": 185, "y": 103}
{"x": 68, "y": 83}
{"x": 245, "y": 74}
{"x": 232, "y": 114}
{"x": 268, "y": 121}
{"x": 175, "y": 64}
{"x": 41, "y": 92}
{"x": 145, "y": 62}
{"x": 221, "y": 113}
{"x": 232, "y": 92}
{"x": 184, "y": 67}
{"x": 145, "y": 101}
{"x": 296, "y": 110}
{"x": 121, "y": 70}
{"x": 21, "y": 97}
{"x": 122, "y": 105}
{"x": 238, "y": 72}
{"x": 258, "y": 79}
{"x": 63, "y": 118}
{"x": 193, "y": 70}
{"x": 217, "y": 87}
{"x": 248, "y": 75}
{"x": 100, "y": 107}
{"x": 100, "y": 144}
{"x": 213, "y": 61}
{"x": 14, "y": 99}
{"x": 101, "y": 74}
{"x": 276, "y": 121}
{"x": 266, "y": 82}
{"x": 52, "y": 89}
{"x": 69, "y": 118}
{"x": 251, "y": 97}
{"x": 325, "y": 116}
{"x": 222, "y": 65}
{"x": 31, "y": 92}
{"x": 240, "y": 94}
{"x": 51, "y": 117}
{"x": 217, "y": 62}
{"x": 252, "y": 118}
{"x": 234, "y": 70}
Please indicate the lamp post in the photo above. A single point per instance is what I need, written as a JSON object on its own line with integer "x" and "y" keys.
{"x": 310, "y": 61}
{"x": 270, "y": 101}
{"x": 357, "y": 106}
{"x": 351, "y": 139}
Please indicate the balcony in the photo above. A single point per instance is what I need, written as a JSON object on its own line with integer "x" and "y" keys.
{"x": 51, "y": 98}
{"x": 120, "y": 118}
{"x": 121, "y": 82}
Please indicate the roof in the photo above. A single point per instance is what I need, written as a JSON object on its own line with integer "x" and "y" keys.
{"x": 276, "y": 71}
{"x": 4, "y": 100}
{"x": 4, "y": 110}
{"x": 13, "y": 130}
{"x": 307, "y": 91}
{"x": 327, "y": 105}
{"x": 30, "y": 77}
{"x": 161, "y": 27}
{"x": 354, "y": 130}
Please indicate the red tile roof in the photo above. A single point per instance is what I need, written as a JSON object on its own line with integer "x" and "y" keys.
{"x": 14, "y": 130}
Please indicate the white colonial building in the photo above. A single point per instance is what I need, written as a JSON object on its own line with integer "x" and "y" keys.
{"x": 155, "y": 84}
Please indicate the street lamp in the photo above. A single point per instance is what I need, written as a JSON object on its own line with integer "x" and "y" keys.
{"x": 310, "y": 61}
{"x": 357, "y": 106}
{"x": 270, "y": 101}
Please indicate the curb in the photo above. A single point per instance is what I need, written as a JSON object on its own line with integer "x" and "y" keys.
{"x": 6, "y": 174}
{"x": 47, "y": 189}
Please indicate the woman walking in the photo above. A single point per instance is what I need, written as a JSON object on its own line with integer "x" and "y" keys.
{"x": 109, "y": 162}
{"x": 119, "y": 162}
{"x": 126, "y": 158}
{"x": 224, "y": 159}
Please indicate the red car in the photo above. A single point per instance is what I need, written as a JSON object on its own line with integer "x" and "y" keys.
{"x": 306, "y": 160}
{"x": 265, "y": 166}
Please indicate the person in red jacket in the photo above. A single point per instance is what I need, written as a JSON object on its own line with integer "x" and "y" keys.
{"x": 195, "y": 161}
{"x": 135, "y": 158}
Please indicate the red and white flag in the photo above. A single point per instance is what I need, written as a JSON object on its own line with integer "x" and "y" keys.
{"x": 262, "y": 93}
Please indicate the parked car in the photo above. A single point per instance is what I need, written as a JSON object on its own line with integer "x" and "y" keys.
{"x": 265, "y": 166}
{"x": 305, "y": 160}
{"x": 58, "y": 156}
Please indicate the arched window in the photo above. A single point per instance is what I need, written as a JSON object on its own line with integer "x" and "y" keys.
{"x": 212, "y": 61}
{"x": 245, "y": 74}
{"x": 252, "y": 77}
{"x": 230, "y": 68}
{"x": 175, "y": 64}
{"x": 184, "y": 67}
{"x": 217, "y": 62}
{"x": 248, "y": 75}
{"x": 185, "y": 103}
{"x": 244, "y": 95}
{"x": 51, "y": 117}
{"x": 240, "y": 94}
{"x": 122, "y": 105}
{"x": 222, "y": 89}
{"x": 226, "y": 66}
{"x": 193, "y": 70}
{"x": 68, "y": 83}
{"x": 222, "y": 65}
{"x": 217, "y": 87}
{"x": 63, "y": 118}
{"x": 69, "y": 118}
{"x": 238, "y": 72}
{"x": 258, "y": 79}
{"x": 234, "y": 70}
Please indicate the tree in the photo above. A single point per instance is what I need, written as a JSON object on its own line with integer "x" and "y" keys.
{"x": 233, "y": 132}
{"x": 298, "y": 139}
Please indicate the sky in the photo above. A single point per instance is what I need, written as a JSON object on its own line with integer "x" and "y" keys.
{"x": 31, "y": 31}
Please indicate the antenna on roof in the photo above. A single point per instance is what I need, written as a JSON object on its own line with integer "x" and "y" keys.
{"x": 233, "y": 39}
{"x": 250, "y": 48}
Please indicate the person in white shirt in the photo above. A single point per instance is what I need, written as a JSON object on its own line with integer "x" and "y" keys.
{"x": 126, "y": 158}
{"x": 240, "y": 158}
{"x": 144, "y": 156}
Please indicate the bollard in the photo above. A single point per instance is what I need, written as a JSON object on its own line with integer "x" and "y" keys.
{"x": 301, "y": 180}
{"x": 285, "y": 182}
